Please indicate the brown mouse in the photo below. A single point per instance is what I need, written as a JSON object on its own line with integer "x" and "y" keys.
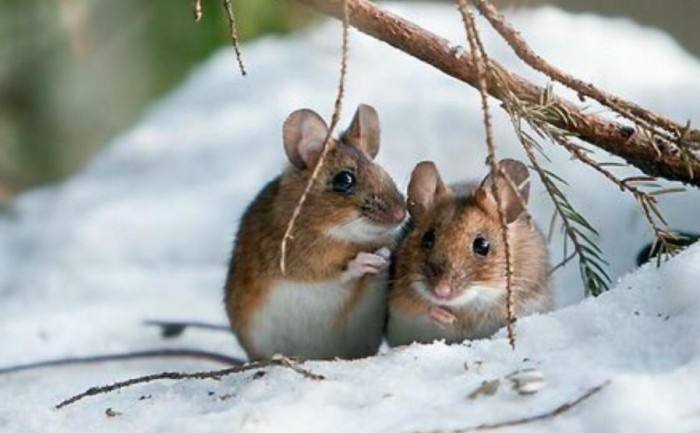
{"x": 331, "y": 302}
{"x": 449, "y": 278}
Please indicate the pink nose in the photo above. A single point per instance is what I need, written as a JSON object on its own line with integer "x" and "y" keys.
{"x": 442, "y": 289}
{"x": 398, "y": 214}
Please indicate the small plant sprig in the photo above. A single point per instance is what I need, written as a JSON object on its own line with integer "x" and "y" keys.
{"x": 578, "y": 230}
{"x": 591, "y": 261}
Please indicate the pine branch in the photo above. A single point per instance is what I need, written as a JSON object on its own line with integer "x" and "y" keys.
{"x": 577, "y": 228}
{"x": 653, "y": 155}
{"x": 637, "y": 114}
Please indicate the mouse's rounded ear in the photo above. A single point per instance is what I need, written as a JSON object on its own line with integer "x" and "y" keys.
{"x": 303, "y": 134}
{"x": 364, "y": 130}
{"x": 424, "y": 189}
{"x": 516, "y": 184}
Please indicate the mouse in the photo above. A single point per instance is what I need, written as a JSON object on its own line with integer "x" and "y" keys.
{"x": 331, "y": 301}
{"x": 449, "y": 277}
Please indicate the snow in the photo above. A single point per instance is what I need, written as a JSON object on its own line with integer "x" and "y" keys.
{"x": 145, "y": 232}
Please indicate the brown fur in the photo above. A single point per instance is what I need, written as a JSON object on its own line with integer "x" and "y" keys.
{"x": 312, "y": 256}
{"x": 457, "y": 219}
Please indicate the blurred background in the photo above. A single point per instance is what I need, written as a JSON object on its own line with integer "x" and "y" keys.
{"x": 73, "y": 73}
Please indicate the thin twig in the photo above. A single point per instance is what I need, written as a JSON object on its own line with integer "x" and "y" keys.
{"x": 630, "y": 110}
{"x": 535, "y": 418}
{"x": 233, "y": 28}
{"x": 479, "y": 55}
{"x": 337, "y": 108}
{"x": 174, "y": 375}
{"x": 145, "y": 354}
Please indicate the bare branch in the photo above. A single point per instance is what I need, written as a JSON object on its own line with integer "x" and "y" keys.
{"x": 174, "y": 375}
{"x": 626, "y": 108}
{"x": 654, "y": 155}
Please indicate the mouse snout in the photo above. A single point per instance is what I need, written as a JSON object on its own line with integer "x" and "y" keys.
{"x": 398, "y": 214}
{"x": 442, "y": 289}
{"x": 439, "y": 281}
{"x": 385, "y": 212}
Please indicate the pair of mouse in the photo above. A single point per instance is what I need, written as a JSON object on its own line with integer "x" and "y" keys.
{"x": 338, "y": 298}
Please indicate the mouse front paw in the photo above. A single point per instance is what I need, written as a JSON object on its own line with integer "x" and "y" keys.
{"x": 368, "y": 263}
{"x": 442, "y": 317}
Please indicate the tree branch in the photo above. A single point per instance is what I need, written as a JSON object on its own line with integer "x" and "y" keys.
{"x": 653, "y": 155}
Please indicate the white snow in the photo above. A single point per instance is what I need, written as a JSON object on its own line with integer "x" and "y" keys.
{"x": 145, "y": 232}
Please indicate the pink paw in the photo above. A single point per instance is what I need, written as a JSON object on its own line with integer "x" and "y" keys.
{"x": 368, "y": 263}
{"x": 442, "y": 316}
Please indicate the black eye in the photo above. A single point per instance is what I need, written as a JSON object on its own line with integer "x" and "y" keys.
{"x": 480, "y": 246}
{"x": 428, "y": 239}
{"x": 344, "y": 182}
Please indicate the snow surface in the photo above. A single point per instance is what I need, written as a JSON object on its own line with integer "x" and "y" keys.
{"x": 145, "y": 232}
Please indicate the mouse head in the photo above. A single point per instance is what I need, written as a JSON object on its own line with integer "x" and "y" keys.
{"x": 353, "y": 199}
{"x": 456, "y": 251}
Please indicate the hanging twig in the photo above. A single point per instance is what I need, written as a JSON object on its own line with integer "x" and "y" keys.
{"x": 479, "y": 55}
{"x": 653, "y": 155}
{"x": 174, "y": 375}
{"x": 198, "y": 12}
{"x": 337, "y": 107}
{"x": 128, "y": 356}
{"x": 233, "y": 29}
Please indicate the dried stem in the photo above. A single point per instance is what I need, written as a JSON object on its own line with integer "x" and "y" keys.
{"x": 233, "y": 28}
{"x": 174, "y": 375}
{"x": 652, "y": 154}
{"x": 479, "y": 55}
{"x": 629, "y": 110}
{"x": 535, "y": 418}
{"x": 326, "y": 143}
{"x": 128, "y": 356}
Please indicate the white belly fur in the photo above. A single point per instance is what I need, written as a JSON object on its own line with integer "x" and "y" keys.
{"x": 299, "y": 319}
{"x": 407, "y": 328}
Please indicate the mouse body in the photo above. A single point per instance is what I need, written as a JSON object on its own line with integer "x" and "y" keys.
{"x": 449, "y": 279}
{"x": 331, "y": 301}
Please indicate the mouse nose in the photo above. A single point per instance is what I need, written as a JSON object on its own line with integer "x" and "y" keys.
{"x": 442, "y": 289}
{"x": 398, "y": 215}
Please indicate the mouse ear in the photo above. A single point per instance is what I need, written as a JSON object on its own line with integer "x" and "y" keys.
{"x": 425, "y": 188}
{"x": 364, "y": 130}
{"x": 303, "y": 134}
{"x": 519, "y": 185}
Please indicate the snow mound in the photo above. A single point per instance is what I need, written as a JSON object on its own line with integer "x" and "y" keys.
{"x": 145, "y": 232}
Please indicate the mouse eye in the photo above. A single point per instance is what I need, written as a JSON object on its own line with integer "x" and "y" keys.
{"x": 344, "y": 182}
{"x": 481, "y": 246}
{"x": 428, "y": 239}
